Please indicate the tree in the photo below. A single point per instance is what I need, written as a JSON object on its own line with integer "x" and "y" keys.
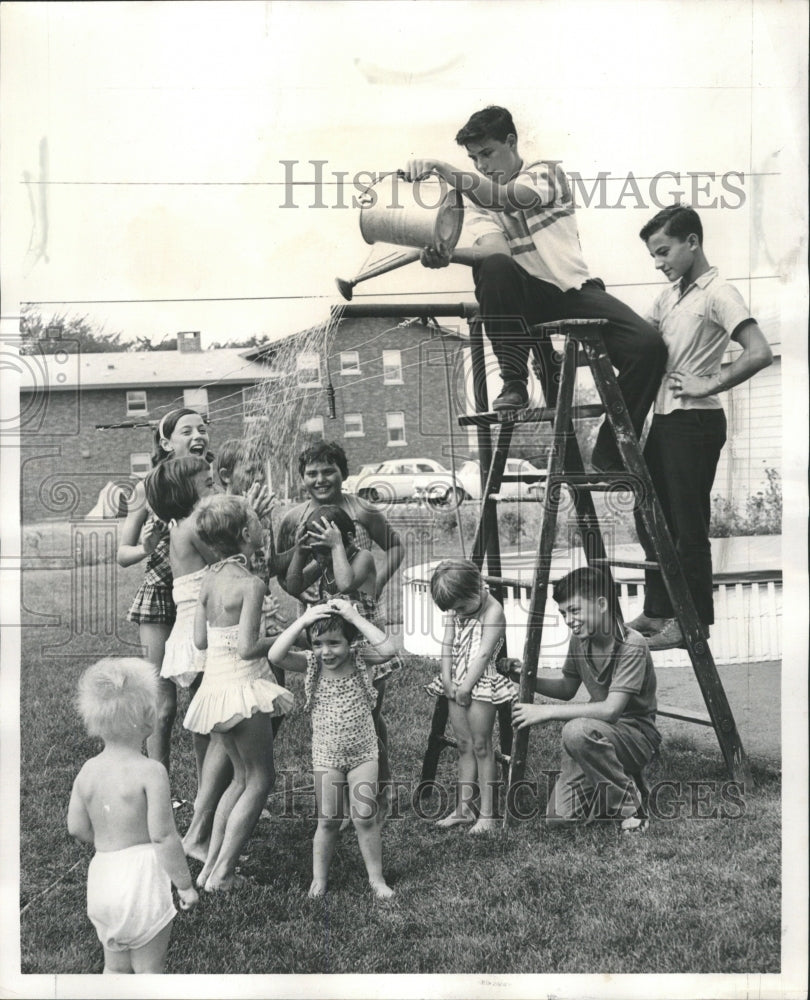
{"x": 59, "y": 333}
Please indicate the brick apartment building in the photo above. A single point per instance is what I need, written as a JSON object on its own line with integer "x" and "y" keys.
{"x": 399, "y": 384}
{"x": 86, "y": 419}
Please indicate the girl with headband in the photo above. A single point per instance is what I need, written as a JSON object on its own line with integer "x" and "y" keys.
{"x": 180, "y": 433}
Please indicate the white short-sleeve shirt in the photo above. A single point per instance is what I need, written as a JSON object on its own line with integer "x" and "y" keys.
{"x": 697, "y": 324}
{"x": 544, "y": 239}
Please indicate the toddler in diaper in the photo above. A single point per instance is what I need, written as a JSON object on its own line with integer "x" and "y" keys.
{"x": 120, "y": 804}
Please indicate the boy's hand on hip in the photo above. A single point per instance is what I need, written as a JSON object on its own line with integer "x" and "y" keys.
{"x": 695, "y": 386}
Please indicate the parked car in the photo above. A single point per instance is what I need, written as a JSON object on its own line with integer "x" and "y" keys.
{"x": 467, "y": 483}
{"x": 403, "y": 478}
{"x": 470, "y": 476}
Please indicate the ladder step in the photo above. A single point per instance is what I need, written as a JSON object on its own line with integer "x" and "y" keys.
{"x": 523, "y": 477}
{"x": 559, "y": 326}
{"x": 627, "y": 563}
{"x": 532, "y": 415}
{"x": 685, "y": 715}
{"x": 597, "y": 482}
{"x": 506, "y": 581}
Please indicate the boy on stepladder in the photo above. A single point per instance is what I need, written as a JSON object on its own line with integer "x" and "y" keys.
{"x": 173, "y": 490}
{"x": 238, "y": 696}
{"x": 474, "y": 632}
{"x": 120, "y": 804}
{"x": 607, "y": 741}
{"x": 340, "y": 695}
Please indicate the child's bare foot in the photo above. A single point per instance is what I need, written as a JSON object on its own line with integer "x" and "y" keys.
{"x": 225, "y": 884}
{"x": 381, "y": 890}
{"x": 455, "y": 819}
{"x": 196, "y": 850}
{"x": 317, "y": 889}
{"x": 484, "y": 825}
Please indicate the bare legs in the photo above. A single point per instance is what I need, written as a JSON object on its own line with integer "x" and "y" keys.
{"x": 216, "y": 776}
{"x": 200, "y": 740}
{"x": 250, "y": 748}
{"x": 158, "y": 745}
{"x": 476, "y": 760}
{"x": 149, "y": 958}
{"x": 329, "y": 788}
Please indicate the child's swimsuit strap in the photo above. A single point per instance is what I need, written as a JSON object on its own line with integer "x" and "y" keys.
{"x": 240, "y": 559}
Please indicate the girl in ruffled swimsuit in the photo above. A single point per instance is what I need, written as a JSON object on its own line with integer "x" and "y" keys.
{"x": 238, "y": 696}
{"x": 474, "y": 626}
{"x": 340, "y": 696}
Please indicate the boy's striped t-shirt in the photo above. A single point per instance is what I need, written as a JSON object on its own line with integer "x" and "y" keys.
{"x": 543, "y": 239}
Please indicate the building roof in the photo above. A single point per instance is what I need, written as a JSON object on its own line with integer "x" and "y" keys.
{"x": 136, "y": 369}
{"x": 393, "y": 312}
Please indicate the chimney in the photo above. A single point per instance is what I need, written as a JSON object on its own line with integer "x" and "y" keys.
{"x": 189, "y": 342}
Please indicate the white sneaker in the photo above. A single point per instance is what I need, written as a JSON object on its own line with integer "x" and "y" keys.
{"x": 668, "y": 637}
{"x": 646, "y": 626}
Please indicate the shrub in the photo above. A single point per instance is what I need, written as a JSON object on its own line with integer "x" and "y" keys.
{"x": 761, "y": 515}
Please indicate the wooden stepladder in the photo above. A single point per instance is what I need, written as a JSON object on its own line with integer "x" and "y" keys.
{"x": 583, "y": 344}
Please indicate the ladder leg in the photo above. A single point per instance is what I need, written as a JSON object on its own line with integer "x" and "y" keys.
{"x": 505, "y": 734}
{"x": 486, "y": 541}
{"x": 653, "y": 518}
{"x": 542, "y": 568}
{"x": 435, "y": 745}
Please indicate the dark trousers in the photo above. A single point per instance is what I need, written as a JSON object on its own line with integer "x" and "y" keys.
{"x": 599, "y": 760}
{"x": 682, "y": 451}
{"x": 511, "y": 300}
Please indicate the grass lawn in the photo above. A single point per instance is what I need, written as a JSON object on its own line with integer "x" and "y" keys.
{"x": 699, "y": 893}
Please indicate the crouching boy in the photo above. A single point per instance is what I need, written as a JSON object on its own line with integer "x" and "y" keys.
{"x": 607, "y": 741}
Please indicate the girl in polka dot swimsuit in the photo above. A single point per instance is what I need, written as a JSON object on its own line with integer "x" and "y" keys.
{"x": 340, "y": 696}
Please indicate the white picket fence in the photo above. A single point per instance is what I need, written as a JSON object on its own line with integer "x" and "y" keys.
{"x": 747, "y": 629}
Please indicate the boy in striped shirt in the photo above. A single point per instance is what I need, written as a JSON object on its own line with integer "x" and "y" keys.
{"x": 528, "y": 267}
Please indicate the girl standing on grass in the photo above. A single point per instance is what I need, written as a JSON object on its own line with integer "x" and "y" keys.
{"x": 180, "y": 433}
{"x": 473, "y": 633}
{"x": 322, "y": 468}
{"x": 173, "y": 490}
{"x": 327, "y": 563}
{"x": 120, "y": 804}
{"x": 340, "y": 696}
{"x": 239, "y": 471}
{"x": 238, "y": 696}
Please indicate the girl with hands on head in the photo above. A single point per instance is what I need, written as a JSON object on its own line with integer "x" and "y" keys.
{"x": 340, "y": 696}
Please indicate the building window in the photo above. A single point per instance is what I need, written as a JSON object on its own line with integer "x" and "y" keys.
{"x": 136, "y": 402}
{"x": 197, "y": 400}
{"x": 313, "y": 427}
{"x": 395, "y": 423}
{"x": 253, "y": 404}
{"x": 308, "y": 367}
{"x": 140, "y": 463}
{"x": 392, "y": 367}
{"x": 349, "y": 363}
{"x": 353, "y": 425}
